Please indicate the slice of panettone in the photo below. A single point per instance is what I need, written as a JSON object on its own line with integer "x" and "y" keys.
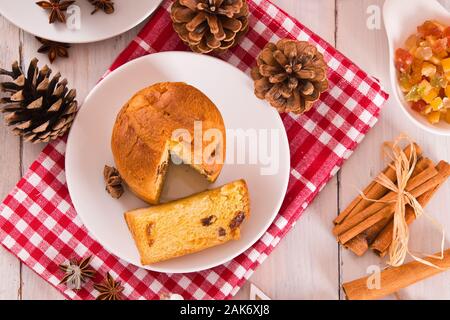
{"x": 191, "y": 224}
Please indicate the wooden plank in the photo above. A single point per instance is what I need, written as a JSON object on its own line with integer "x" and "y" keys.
{"x": 10, "y": 160}
{"x": 306, "y": 273}
{"x": 305, "y": 264}
{"x": 87, "y": 63}
{"x": 368, "y": 48}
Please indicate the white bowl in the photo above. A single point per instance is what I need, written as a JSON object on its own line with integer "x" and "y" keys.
{"x": 401, "y": 19}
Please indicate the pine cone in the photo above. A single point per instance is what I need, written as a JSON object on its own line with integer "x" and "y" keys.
{"x": 38, "y": 108}
{"x": 210, "y": 25}
{"x": 291, "y": 75}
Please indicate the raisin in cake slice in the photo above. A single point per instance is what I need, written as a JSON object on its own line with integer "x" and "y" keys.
{"x": 191, "y": 224}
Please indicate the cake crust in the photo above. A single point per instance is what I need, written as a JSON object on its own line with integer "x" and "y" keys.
{"x": 143, "y": 135}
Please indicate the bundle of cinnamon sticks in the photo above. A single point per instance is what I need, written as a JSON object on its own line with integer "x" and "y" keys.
{"x": 368, "y": 221}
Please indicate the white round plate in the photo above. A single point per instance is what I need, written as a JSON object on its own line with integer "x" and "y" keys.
{"x": 231, "y": 90}
{"x": 28, "y": 16}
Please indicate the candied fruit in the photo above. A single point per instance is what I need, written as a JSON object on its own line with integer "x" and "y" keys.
{"x": 403, "y": 60}
{"x": 447, "y": 117}
{"x": 424, "y": 53}
{"x": 405, "y": 83}
{"x": 413, "y": 95}
{"x": 447, "y": 33}
{"x": 446, "y": 65}
{"x": 424, "y": 71}
{"x": 437, "y": 104}
{"x": 440, "y": 47}
{"x": 424, "y": 88}
{"x": 416, "y": 71}
{"x": 439, "y": 81}
{"x": 419, "y": 106}
{"x": 446, "y": 102}
{"x": 434, "y": 117}
{"x": 431, "y": 95}
{"x": 428, "y": 69}
{"x": 435, "y": 60}
{"x": 411, "y": 42}
{"x": 430, "y": 28}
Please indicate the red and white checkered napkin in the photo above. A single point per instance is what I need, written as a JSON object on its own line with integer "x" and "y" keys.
{"x": 39, "y": 224}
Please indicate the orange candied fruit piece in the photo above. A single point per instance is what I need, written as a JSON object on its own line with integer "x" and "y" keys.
{"x": 440, "y": 47}
{"x": 430, "y": 28}
{"x": 434, "y": 117}
{"x": 416, "y": 71}
{"x": 447, "y": 34}
{"x": 403, "y": 60}
{"x": 419, "y": 106}
{"x": 447, "y": 91}
{"x": 446, "y": 65}
{"x": 447, "y": 117}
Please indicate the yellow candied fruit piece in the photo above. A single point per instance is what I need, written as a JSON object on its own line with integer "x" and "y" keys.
{"x": 424, "y": 87}
{"x": 434, "y": 117}
{"x": 446, "y": 65}
{"x": 431, "y": 95}
{"x": 437, "y": 103}
{"x": 427, "y": 110}
{"x": 447, "y": 76}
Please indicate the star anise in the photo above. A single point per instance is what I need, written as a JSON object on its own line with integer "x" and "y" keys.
{"x": 57, "y": 9}
{"x": 106, "y": 6}
{"x": 53, "y": 49}
{"x": 77, "y": 273}
{"x": 109, "y": 289}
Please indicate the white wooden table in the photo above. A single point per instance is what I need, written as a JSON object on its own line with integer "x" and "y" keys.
{"x": 308, "y": 264}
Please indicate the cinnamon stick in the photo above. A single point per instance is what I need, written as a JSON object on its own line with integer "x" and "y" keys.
{"x": 389, "y": 210}
{"x": 416, "y": 182}
{"x": 384, "y": 213}
{"x": 382, "y": 243}
{"x": 360, "y": 244}
{"x": 394, "y": 279}
{"x": 374, "y": 190}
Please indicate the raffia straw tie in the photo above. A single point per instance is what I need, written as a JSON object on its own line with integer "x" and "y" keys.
{"x": 404, "y": 168}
